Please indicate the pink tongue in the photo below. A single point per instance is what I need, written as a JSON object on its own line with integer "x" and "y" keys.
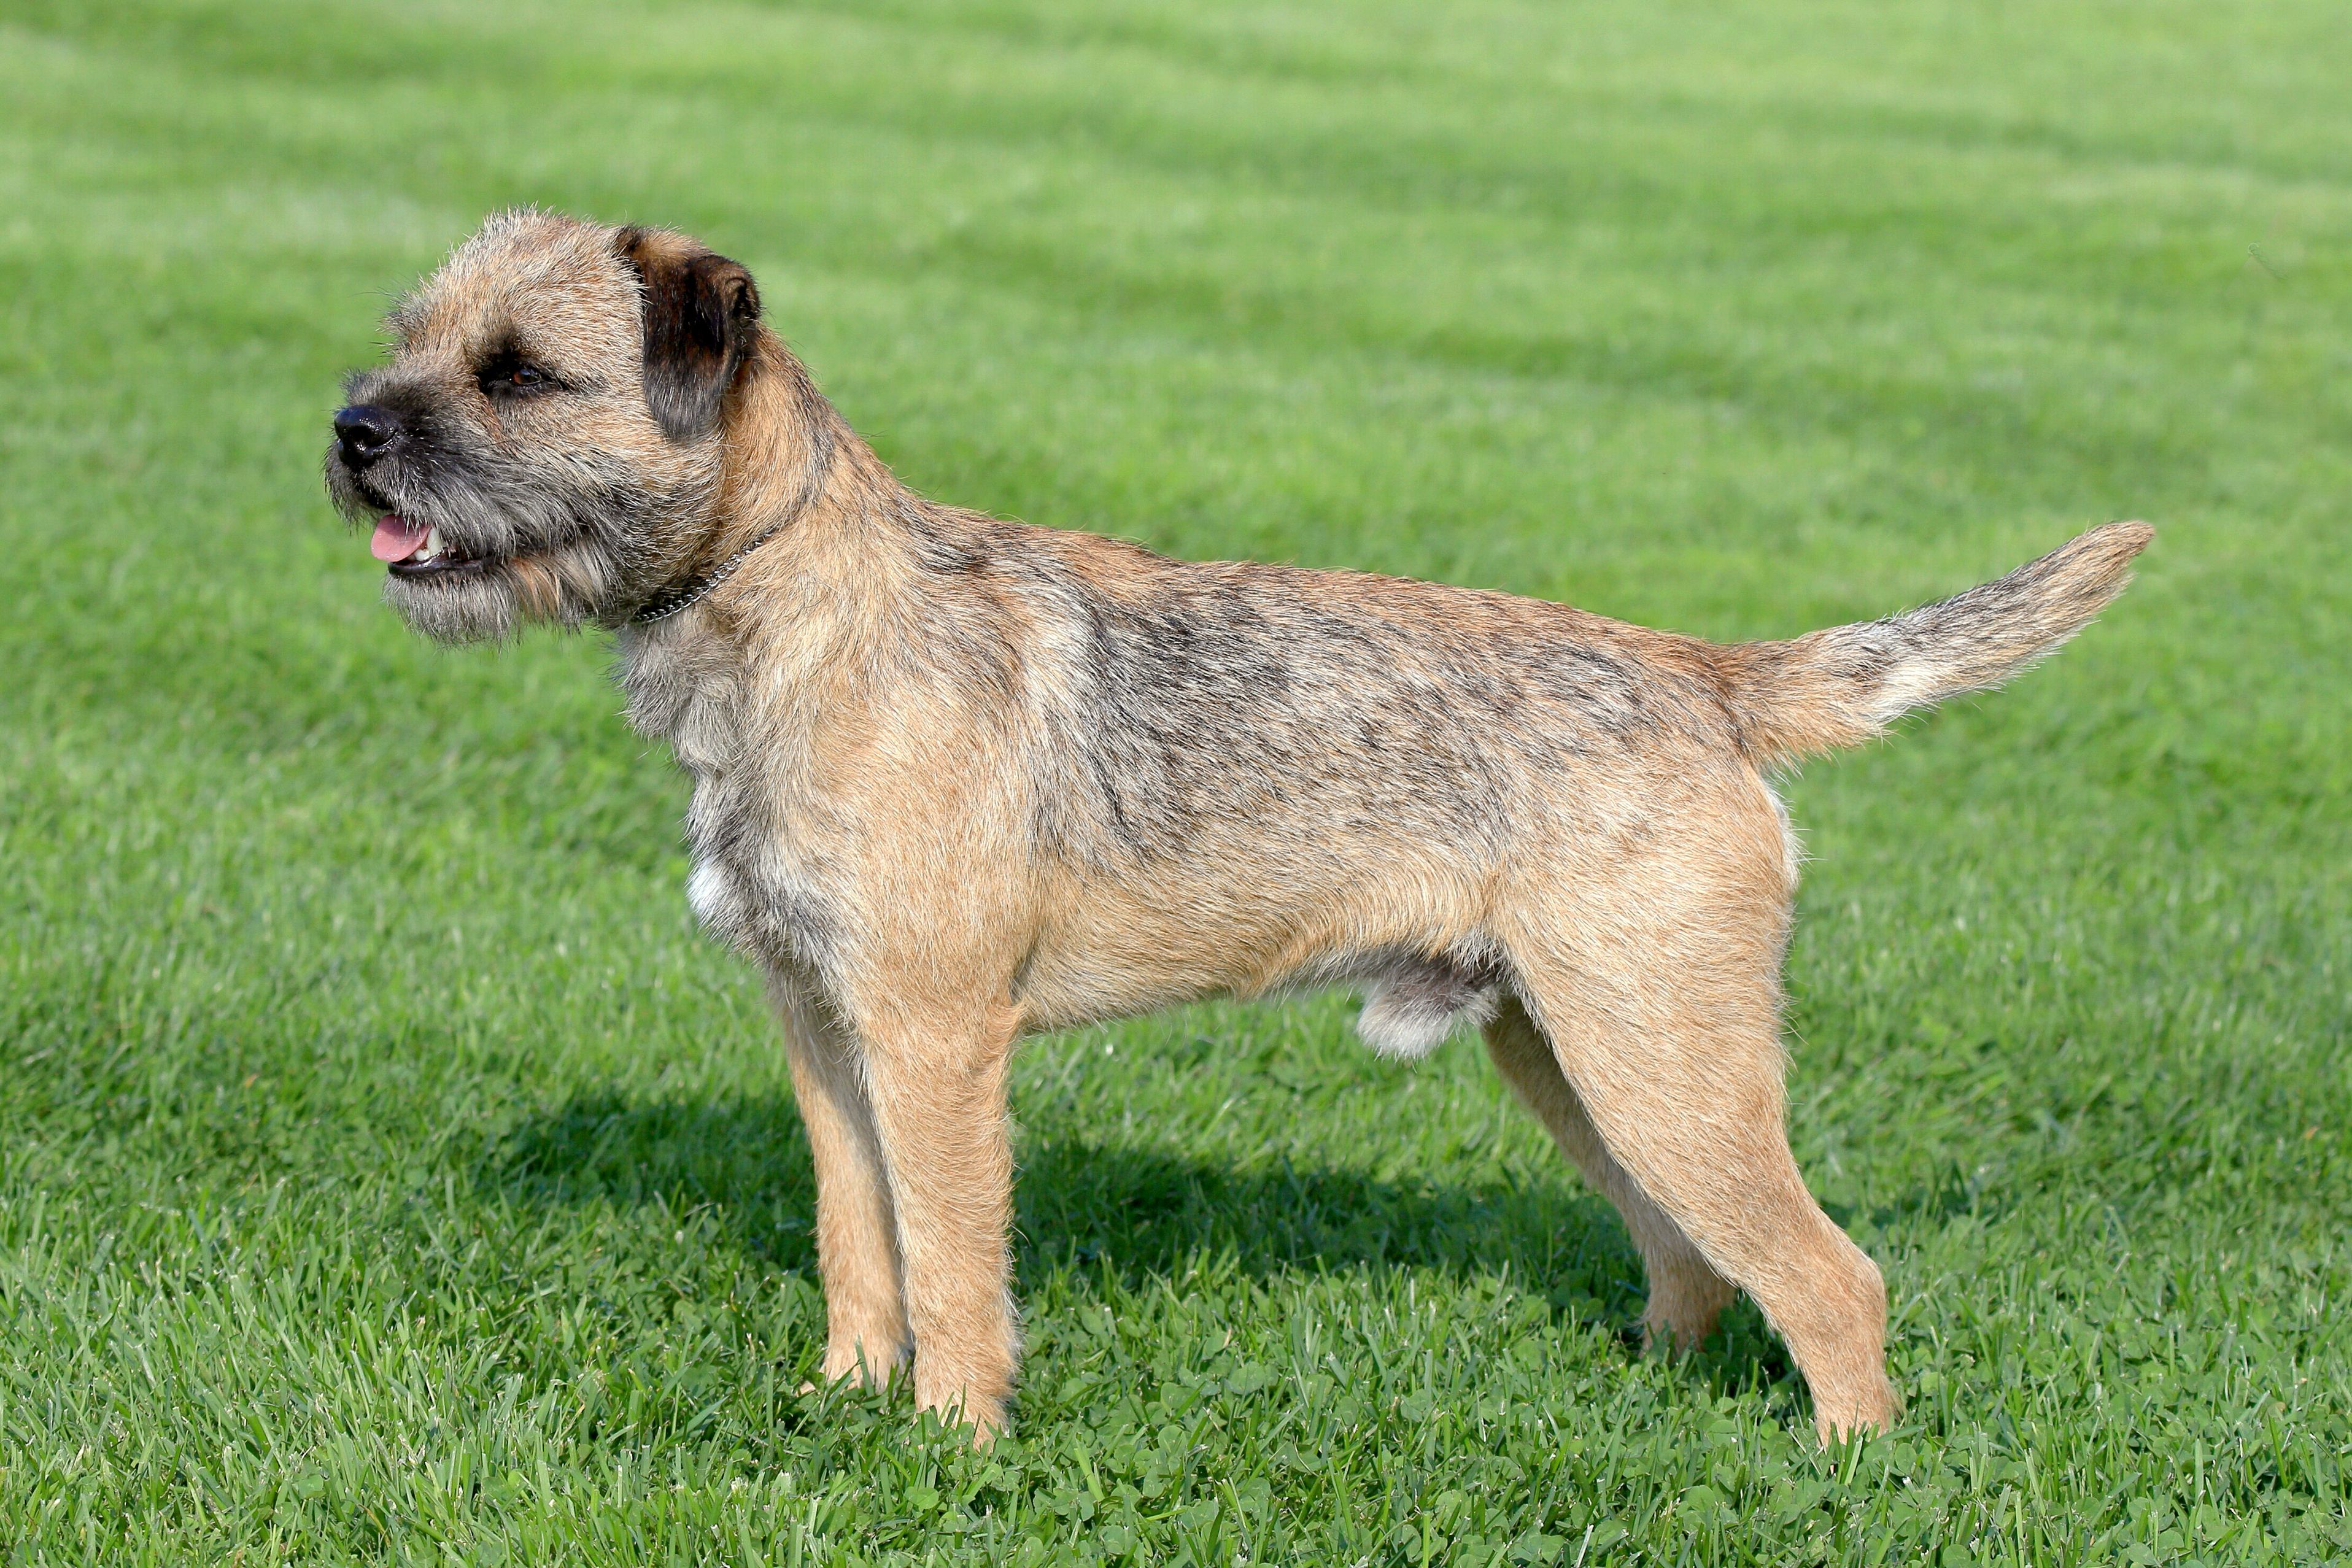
{"x": 397, "y": 541}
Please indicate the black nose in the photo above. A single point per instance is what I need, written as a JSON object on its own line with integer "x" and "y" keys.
{"x": 363, "y": 432}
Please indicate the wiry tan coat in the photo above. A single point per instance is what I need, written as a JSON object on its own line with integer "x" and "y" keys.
{"x": 958, "y": 780}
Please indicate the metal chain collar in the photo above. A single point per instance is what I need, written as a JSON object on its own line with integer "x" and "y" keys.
{"x": 670, "y": 601}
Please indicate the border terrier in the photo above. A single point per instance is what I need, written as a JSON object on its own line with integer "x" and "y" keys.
{"x": 958, "y": 780}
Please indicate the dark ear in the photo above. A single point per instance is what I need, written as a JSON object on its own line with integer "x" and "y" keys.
{"x": 702, "y": 312}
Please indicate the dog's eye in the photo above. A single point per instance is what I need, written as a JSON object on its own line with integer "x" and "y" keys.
{"x": 511, "y": 376}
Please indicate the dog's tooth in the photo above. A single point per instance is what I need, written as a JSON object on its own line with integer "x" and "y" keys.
{"x": 432, "y": 542}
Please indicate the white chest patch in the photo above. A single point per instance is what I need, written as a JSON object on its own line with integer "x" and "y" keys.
{"x": 711, "y": 894}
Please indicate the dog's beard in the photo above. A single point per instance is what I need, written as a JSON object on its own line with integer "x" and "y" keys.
{"x": 514, "y": 551}
{"x": 563, "y": 587}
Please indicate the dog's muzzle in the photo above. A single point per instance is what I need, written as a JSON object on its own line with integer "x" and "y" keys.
{"x": 364, "y": 434}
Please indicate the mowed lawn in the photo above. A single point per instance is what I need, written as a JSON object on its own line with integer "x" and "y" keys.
{"x": 389, "y": 1172}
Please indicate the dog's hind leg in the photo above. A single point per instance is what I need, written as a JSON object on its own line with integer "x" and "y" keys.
{"x": 1686, "y": 1295}
{"x": 856, "y": 1234}
{"x": 1662, "y": 1012}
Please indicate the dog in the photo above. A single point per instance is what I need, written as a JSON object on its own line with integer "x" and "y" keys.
{"x": 956, "y": 781}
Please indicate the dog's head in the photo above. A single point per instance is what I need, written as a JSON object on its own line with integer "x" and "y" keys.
{"x": 546, "y": 444}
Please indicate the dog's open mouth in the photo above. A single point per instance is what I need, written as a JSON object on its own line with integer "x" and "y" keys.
{"x": 413, "y": 550}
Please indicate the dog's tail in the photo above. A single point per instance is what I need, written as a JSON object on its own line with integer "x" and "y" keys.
{"x": 1841, "y": 685}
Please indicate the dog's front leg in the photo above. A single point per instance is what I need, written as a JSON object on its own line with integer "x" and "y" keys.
{"x": 935, "y": 1078}
{"x": 856, "y": 1234}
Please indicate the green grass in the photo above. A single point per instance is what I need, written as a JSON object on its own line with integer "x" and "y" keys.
{"x": 388, "y": 1171}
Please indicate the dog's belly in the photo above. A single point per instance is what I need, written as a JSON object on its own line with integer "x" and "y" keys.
{"x": 1416, "y": 993}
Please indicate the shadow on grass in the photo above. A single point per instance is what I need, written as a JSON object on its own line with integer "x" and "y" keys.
{"x": 1136, "y": 1213}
